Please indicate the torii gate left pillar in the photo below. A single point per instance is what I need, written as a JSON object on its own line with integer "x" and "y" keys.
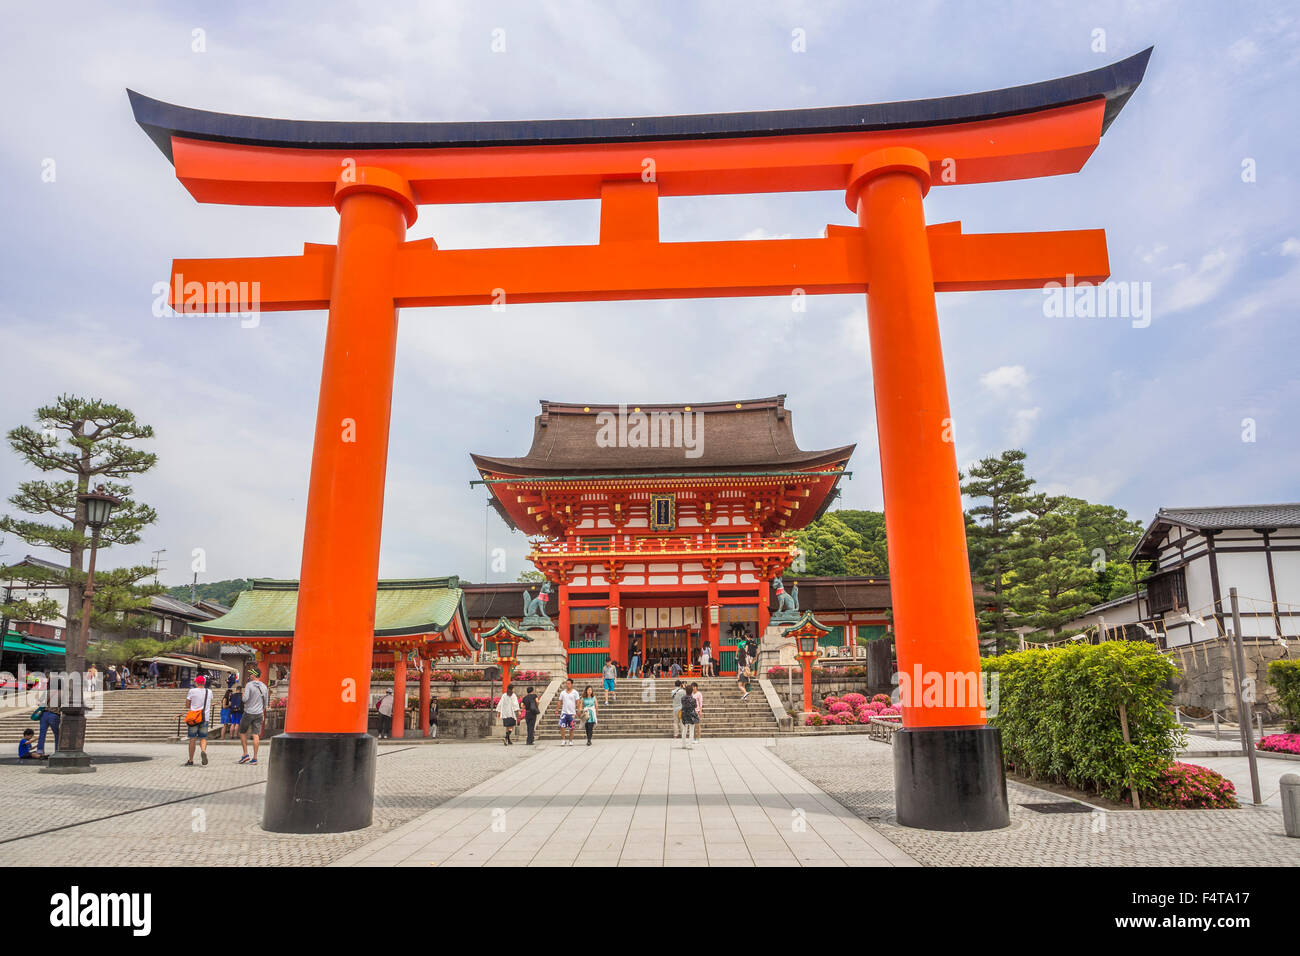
{"x": 325, "y": 748}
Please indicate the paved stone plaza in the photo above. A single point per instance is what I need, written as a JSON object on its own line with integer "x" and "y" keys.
{"x": 859, "y": 772}
{"x": 740, "y": 801}
{"x": 216, "y": 810}
{"x": 728, "y": 802}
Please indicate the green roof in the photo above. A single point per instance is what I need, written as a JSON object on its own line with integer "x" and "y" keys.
{"x": 411, "y": 606}
{"x": 505, "y": 624}
{"x": 23, "y": 644}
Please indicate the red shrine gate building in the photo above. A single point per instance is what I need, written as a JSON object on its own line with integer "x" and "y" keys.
{"x": 660, "y": 527}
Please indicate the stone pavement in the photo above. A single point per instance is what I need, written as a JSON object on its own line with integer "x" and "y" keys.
{"x": 157, "y": 813}
{"x": 1237, "y": 769}
{"x": 728, "y": 802}
{"x": 858, "y": 772}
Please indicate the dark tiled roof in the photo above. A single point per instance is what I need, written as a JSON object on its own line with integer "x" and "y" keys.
{"x": 491, "y": 601}
{"x": 748, "y": 435}
{"x": 1222, "y": 518}
{"x": 838, "y": 593}
{"x": 1234, "y": 516}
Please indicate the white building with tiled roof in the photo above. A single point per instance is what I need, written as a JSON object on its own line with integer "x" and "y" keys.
{"x": 1200, "y": 554}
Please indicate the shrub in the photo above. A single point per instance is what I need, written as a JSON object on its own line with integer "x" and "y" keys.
{"x": 1186, "y": 786}
{"x": 882, "y": 699}
{"x": 1280, "y": 743}
{"x": 1059, "y": 712}
{"x": 1285, "y": 676}
{"x": 467, "y": 703}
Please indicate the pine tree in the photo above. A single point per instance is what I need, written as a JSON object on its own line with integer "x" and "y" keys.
{"x": 1108, "y": 536}
{"x": 997, "y": 483}
{"x": 90, "y": 441}
{"x": 1054, "y": 573}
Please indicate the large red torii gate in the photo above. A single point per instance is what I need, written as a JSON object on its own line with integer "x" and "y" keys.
{"x": 885, "y": 157}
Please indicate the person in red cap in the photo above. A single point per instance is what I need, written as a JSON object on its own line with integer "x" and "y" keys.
{"x": 198, "y": 703}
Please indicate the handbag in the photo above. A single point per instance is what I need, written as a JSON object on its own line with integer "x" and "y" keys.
{"x": 36, "y": 714}
{"x": 195, "y": 717}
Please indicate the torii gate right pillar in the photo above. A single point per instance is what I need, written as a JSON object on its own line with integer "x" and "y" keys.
{"x": 947, "y": 761}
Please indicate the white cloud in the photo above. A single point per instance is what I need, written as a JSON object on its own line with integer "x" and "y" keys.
{"x": 1022, "y": 426}
{"x": 1005, "y": 377}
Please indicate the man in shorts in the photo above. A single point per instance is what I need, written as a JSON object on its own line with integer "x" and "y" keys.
{"x": 568, "y": 712}
{"x": 198, "y": 698}
{"x": 256, "y": 697}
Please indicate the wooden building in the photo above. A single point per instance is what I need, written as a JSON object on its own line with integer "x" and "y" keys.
{"x": 660, "y": 527}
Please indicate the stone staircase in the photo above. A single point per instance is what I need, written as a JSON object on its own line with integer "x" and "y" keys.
{"x": 644, "y": 709}
{"x": 124, "y": 715}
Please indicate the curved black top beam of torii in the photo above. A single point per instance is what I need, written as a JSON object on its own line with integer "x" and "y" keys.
{"x": 1115, "y": 83}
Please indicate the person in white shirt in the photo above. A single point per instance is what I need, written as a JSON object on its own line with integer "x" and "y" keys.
{"x": 199, "y": 702}
{"x": 508, "y": 711}
{"x": 706, "y": 661}
{"x": 256, "y": 697}
{"x": 568, "y": 712}
{"x": 385, "y": 708}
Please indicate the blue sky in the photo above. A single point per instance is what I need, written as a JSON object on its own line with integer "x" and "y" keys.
{"x": 1136, "y": 417}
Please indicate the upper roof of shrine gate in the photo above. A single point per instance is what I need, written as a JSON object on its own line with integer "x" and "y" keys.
{"x": 1039, "y": 129}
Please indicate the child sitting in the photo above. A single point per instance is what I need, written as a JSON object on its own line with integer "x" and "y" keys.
{"x": 26, "y": 751}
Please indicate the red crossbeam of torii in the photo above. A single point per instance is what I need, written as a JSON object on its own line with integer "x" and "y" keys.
{"x": 884, "y": 157}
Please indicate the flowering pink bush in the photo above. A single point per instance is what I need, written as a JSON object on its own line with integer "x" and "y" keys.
{"x": 891, "y": 712}
{"x": 530, "y": 676}
{"x": 854, "y": 700}
{"x": 882, "y": 699}
{"x": 839, "y": 707}
{"x": 1186, "y": 786}
{"x": 1280, "y": 743}
{"x": 814, "y": 719}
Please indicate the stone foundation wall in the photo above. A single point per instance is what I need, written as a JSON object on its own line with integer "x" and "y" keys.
{"x": 1207, "y": 675}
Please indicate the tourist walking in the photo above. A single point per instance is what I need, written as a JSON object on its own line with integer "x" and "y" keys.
{"x": 198, "y": 701}
{"x": 153, "y": 673}
{"x": 706, "y": 661}
{"x": 634, "y": 667}
{"x": 531, "y": 709}
{"x": 433, "y": 716}
{"x": 568, "y": 712}
{"x": 255, "y": 699}
{"x": 225, "y": 714}
{"x": 110, "y": 677}
{"x": 589, "y": 711}
{"x": 508, "y": 711}
{"x": 699, "y": 708}
{"x": 676, "y": 669}
{"x": 385, "y": 708}
{"x": 689, "y": 719}
{"x": 678, "y": 693}
{"x": 742, "y": 680}
{"x": 609, "y": 673}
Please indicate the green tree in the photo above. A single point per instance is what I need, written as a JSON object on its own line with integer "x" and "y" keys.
{"x": 1108, "y": 536}
{"x": 90, "y": 441}
{"x": 223, "y": 592}
{"x": 831, "y": 547}
{"x": 997, "y": 485}
{"x": 530, "y": 577}
{"x": 1053, "y": 570}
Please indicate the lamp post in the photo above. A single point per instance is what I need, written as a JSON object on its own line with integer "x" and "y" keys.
{"x": 70, "y": 758}
{"x": 807, "y": 654}
{"x": 506, "y": 644}
{"x": 806, "y": 632}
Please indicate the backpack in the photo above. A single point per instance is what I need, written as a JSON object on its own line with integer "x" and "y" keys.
{"x": 688, "y": 709}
